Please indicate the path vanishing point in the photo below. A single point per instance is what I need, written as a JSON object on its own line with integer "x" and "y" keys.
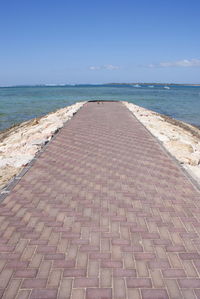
{"x": 103, "y": 213}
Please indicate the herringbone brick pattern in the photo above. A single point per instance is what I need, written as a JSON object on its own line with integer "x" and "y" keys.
{"x": 103, "y": 213}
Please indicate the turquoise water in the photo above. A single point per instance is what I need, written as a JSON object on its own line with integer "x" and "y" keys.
{"x": 19, "y": 104}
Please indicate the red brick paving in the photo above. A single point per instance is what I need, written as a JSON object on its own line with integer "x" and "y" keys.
{"x": 103, "y": 213}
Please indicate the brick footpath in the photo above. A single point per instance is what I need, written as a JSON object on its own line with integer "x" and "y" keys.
{"x": 103, "y": 213}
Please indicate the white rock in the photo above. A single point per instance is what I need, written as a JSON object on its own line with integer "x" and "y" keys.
{"x": 16, "y": 161}
{"x": 39, "y": 141}
{"x": 179, "y": 146}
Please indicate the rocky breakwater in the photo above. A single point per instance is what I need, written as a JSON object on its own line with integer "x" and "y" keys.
{"x": 19, "y": 144}
{"x": 182, "y": 140}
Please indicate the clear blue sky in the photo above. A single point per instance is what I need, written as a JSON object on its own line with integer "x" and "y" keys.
{"x": 99, "y": 41}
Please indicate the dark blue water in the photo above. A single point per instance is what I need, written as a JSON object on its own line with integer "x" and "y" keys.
{"x": 19, "y": 104}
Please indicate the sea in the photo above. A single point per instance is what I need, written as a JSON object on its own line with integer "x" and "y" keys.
{"x": 22, "y": 103}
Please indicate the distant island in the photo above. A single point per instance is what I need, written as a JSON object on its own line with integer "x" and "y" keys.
{"x": 152, "y": 83}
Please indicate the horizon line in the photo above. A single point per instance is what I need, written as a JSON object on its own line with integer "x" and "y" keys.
{"x": 94, "y": 84}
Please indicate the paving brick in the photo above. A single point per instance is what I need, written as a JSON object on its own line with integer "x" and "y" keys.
{"x": 78, "y": 294}
{"x": 64, "y": 264}
{"x": 177, "y": 248}
{"x": 44, "y": 294}
{"x": 197, "y": 293}
{"x": 161, "y": 252}
{"x": 154, "y": 294}
{"x": 36, "y": 260}
{"x": 189, "y": 268}
{"x": 89, "y": 248}
{"x": 5, "y": 276}
{"x": 119, "y": 288}
{"x": 21, "y": 245}
{"x": 189, "y": 256}
{"x": 17, "y": 265}
{"x": 23, "y": 294}
{"x": 173, "y": 273}
{"x": 85, "y": 282}
{"x": 46, "y": 249}
{"x": 144, "y": 256}
{"x": 153, "y": 236}
{"x": 157, "y": 278}
{"x": 133, "y": 293}
{"x": 82, "y": 260}
{"x": 111, "y": 264}
{"x": 6, "y": 248}
{"x": 189, "y": 283}
{"x": 162, "y": 242}
{"x": 26, "y": 273}
{"x": 142, "y": 269}
{"x": 139, "y": 283}
{"x": 175, "y": 260}
{"x": 129, "y": 262}
{"x": 65, "y": 288}
{"x": 12, "y": 289}
{"x": 28, "y": 253}
{"x": 120, "y": 242}
{"x": 74, "y": 273}
{"x": 34, "y": 283}
{"x": 188, "y": 294}
{"x": 159, "y": 264}
{"x": 44, "y": 269}
{"x": 93, "y": 268}
{"x": 124, "y": 272}
{"x": 100, "y": 255}
{"x": 104, "y": 293}
{"x": 106, "y": 278}
{"x": 55, "y": 256}
{"x": 134, "y": 248}
{"x": 116, "y": 252}
{"x": 173, "y": 288}
{"x": 54, "y": 278}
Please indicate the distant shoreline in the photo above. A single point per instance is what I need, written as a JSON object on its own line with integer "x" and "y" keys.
{"x": 157, "y": 84}
{"x": 101, "y": 84}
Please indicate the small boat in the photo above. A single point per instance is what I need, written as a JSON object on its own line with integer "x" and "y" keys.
{"x": 136, "y": 85}
{"x": 166, "y": 87}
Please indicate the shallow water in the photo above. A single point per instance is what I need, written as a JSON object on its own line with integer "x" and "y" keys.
{"x": 19, "y": 104}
